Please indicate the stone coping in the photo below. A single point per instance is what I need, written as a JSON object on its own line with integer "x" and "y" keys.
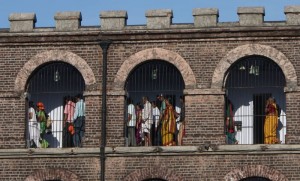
{"x": 159, "y": 13}
{"x": 180, "y": 28}
{"x": 258, "y": 149}
{"x": 234, "y": 26}
{"x": 69, "y": 15}
{"x": 205, "y": 11}
{"x": 22, "y": 17}
{"x": 113, "y": 14}
{"x": 251, "y": 10}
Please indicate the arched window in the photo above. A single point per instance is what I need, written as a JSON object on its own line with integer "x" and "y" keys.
{"x": 249, "y": 83}
{"x": 51, "y": 84}
{"x": 152, "y": 79}
{"x": 255, "y": 179}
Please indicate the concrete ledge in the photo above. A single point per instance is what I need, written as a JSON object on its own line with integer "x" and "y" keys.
{"x": 22, "y": 22}
{"x": 154, "y": 150}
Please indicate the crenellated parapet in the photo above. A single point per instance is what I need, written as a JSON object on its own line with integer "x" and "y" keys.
{"x": 156, "y": 19}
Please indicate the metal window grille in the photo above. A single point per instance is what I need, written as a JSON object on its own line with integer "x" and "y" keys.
{"x": 151, "y": 79}
{"x": 50, "y": 84}
{"x": 249, "y": 84}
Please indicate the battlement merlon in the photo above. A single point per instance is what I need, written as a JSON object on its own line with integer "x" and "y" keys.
{"x": 68, "y": 21}
{"x": 160, "y": 19}
{"x": 22, "y": 22}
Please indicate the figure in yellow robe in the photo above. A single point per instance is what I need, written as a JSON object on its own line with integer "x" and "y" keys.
{"x": 168, "y": 125}
{"x": 271, "y": 122}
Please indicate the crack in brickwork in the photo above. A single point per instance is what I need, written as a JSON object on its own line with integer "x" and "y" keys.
{"x": 254, "y": 49}
{"x": 154, "y": 54}
{"x": 255, "y": 171}
{"x": 52, "y": 174}
{"x": 52, "y": 56}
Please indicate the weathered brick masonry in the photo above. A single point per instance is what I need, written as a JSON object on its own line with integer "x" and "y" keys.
{"x": 202, "y": 52}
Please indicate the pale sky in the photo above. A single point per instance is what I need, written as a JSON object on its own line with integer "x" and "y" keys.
{"x": 182, "y": 9}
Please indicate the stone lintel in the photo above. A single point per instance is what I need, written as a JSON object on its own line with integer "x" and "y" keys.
{"x": 251, "y": 16}
{"x": 159, "y": 19}
{"x": 292, "y": 89}
{"x": 292, "y": 14}
{"x": 113, "y": 20}
{"x": 67, "y": 21}
{"x": 116, "y": 93}
{"x": 205, "y": 17}
{"x": 22, "y": 22}
{"x": 92, "y": 93}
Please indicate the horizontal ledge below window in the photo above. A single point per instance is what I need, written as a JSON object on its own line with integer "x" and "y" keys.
{"x": 154, "y": 150}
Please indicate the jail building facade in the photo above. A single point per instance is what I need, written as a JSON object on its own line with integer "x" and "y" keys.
{"x": 207, "y": 62}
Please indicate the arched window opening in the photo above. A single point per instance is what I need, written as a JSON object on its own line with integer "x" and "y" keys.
{"x": 51, "y": 84}
{"x": 255, "y": 179}
{"x": 153, "y": 79}
{"x": 249, "y": 83}
{"x": 154, "y": 179}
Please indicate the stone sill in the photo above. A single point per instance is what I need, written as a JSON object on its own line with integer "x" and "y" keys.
{"x": 152, "y": 151}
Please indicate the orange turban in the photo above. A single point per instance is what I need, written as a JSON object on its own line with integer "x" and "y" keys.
{"x": 40, "y": 105}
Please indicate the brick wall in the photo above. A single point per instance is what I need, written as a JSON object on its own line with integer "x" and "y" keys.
{"x": 293, "y": 117}
{"x": 204, "y": 119}
{"x": 204, "y": 112}
{"x": 202, "y": 56}
{"x": 92, "y": 124}
{"x": 198, "y": 167}
{"x": 18, "y": 169}
{"x": 12, "y": 123}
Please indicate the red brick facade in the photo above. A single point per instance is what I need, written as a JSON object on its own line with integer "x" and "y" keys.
{"x": 202, "y": 56}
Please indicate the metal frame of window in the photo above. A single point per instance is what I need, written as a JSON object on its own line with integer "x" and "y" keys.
{"x": 249, "y": 83}
{"x": 50, "y": 84}
{"x": 152, "y": 78}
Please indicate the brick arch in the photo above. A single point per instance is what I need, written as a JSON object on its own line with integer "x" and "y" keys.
{"x": 255, "y": 171}
{"x": 52, "y": 174}
{"x": 158, "y": 173}
{"x": 254, "y": 49}
{"x": 151, "y": 54}
{"x": 52, "y": 56}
